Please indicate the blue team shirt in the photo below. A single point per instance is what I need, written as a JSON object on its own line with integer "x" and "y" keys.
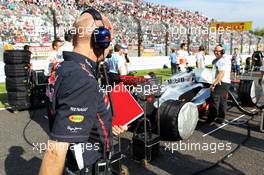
{"x": 173, "y": 58}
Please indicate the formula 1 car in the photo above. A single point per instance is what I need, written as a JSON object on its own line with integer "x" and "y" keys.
{"x": 185, "y": 96}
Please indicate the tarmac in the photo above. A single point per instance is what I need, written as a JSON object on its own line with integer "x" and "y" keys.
{"x": 203, "y": 149}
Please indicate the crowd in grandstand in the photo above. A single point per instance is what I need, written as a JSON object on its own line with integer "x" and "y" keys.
{"x": 37, "y": 15}
{"x": 33, "y": 22}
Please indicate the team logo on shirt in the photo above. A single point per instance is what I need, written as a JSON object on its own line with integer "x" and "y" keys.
{"x": 76, "y": 118}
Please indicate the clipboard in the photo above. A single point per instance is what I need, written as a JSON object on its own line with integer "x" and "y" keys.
{"x": 126, "y": 108}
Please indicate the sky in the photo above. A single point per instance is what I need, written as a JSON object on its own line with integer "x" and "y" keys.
{"x": 223, "y": 10}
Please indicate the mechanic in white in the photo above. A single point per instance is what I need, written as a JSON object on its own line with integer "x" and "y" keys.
{"x": 182, "y": 56}
{"x": 220, "y": 86}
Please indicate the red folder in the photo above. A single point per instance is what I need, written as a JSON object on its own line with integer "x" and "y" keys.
{"x": 126, "y": 108}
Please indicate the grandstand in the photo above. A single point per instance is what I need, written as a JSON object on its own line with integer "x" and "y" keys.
{"x": 31, "y": 22}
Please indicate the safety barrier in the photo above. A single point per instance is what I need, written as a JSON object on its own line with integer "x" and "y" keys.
{"x": 137, "y": 63}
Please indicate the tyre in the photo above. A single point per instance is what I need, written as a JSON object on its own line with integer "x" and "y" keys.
{"x": 16, "y": 70}
{"x": 17, "y": 57}
{"x": 18, "y": 98}
{"x": 16, "y": 84}
{"x": 17, "y": 95}
{"x": 247, "y": 93}
{"x": 16, "y": 53}
{"x": 178, "y": 120}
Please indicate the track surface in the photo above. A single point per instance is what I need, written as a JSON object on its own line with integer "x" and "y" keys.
{"x": 17, "y": 157}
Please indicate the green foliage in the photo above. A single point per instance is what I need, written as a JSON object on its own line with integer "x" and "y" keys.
{"x": 2, "y": 88}
{"x": 3, "y": 95}
{"x": 259, "y": 31}
{"x": 3, "y": 100}
{"x": 164, "y": 73}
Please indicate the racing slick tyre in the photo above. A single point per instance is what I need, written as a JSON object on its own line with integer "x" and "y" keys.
{"x": 178, "y": 119}
{"x": 16, "y": 70}
{"x": 247, "y": 93}
{"x": 17, "y": 57}
{"x": 18, "y": 100}
{"x": 16, "y": 84}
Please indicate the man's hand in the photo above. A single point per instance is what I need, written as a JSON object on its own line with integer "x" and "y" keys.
{"x": 117, "y": 130}
{"x": 212, "y": 88}
{"x": 54, "y": 158}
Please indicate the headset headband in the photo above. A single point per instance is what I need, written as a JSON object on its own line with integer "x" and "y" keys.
{"x": 95, "y": 14}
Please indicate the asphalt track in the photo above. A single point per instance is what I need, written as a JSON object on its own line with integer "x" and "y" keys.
{"x": 17, "y": 157}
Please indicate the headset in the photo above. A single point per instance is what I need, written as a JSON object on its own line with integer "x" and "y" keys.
{"x": 101, "y": 36}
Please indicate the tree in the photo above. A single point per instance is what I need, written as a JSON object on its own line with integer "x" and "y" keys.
{"x": 259, "y": 31}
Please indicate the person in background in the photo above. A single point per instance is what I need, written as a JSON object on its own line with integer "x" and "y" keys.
{"x": 127, "y": 60}
{"x": 54, "y": 57}
{"x": 173, "y": 60}
{"x": 182, "y": 56}
{"x": 219, "y": 87}
{"x": 236, "y": 62}
{"x": 200, "y": 57}
{"x": 109, "y": 55}
{"x": 117, "y": 63}
{"x": 27, "y": 48}
{"x": 67, "y": 45}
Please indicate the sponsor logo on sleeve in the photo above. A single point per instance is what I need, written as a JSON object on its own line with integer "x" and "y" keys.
{"x": 78, "y": 109}
{"x": 73, "y": 129}
{"x": 76, "y": 118}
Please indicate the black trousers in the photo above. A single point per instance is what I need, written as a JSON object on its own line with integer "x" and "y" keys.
{"x": 174, "y": 68}
{"x": 218, "y": 102}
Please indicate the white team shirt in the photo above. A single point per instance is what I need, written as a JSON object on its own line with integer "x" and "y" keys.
{"x": 181, "y": 54}
{"x": 224, "y": 64}
{"x": 182, "y": 59}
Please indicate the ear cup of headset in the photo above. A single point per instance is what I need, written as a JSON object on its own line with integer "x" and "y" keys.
{"x": 102, "y": 37}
